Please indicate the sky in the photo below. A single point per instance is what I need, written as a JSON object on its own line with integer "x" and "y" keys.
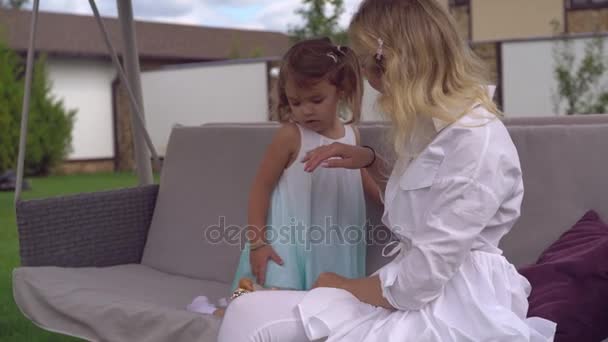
{"x": 273, "y": 15}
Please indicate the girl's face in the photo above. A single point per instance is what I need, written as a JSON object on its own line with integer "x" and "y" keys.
{"x": 315, "y": 106}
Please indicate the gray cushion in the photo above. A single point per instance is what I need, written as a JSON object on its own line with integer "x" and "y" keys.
{"x": 208, "y": 171}
{"x": 565, "y": 172}
{"x": 557, "y": 120}
{"x": 120, "y": 303}
{"x": 205, "y": 179}
{"x": 206, "y": 176}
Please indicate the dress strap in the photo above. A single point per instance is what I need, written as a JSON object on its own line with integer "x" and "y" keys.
{"x": 349, "y": 134}
{"x": 307, "y": 140}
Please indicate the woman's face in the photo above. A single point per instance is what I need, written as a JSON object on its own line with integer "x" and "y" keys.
{"x": 372, "y": 72}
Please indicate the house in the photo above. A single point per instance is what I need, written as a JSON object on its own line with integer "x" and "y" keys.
{"x": 516, "y": 37}
{"x": 83, "y": 76}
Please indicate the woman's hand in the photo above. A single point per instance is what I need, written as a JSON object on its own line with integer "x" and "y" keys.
{"x": 259, "y": 261}
{"x": 368, "y": 289}
{"x": 329, "y": 279}
{"x": 338, "y": 155}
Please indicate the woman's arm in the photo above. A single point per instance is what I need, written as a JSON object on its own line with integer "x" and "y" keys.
{"x": 339, "y": 155}
{"x": 368, "y": 290}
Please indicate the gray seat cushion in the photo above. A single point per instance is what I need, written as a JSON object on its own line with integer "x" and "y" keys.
{"x": 120, "y": 303}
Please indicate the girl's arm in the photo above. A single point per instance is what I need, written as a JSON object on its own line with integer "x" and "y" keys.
{"x": 371, "y": 186}
{"x": 280, "y": 153}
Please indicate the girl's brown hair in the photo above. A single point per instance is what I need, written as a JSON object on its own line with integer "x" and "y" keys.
{"x": 311, "y": 61}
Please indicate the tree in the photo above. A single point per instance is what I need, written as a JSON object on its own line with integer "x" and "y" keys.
{"x": 11, "y": 91}
{"x": 50, "y": 124}
{"x": 235, "y": 51}
{"x": 16, "y": 4}
{"x": 321, "y": 19}
{"x": 580, "y": 86}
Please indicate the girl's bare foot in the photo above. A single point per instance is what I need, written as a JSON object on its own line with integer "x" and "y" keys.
{"x": 219, "y": 312}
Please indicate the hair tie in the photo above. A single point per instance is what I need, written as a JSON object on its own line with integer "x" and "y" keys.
{"x": 332, "y": 56}
{"x": 380, "y": 50}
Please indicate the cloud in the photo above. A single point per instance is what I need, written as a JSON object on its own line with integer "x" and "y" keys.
{"x": 350, "y": 7}
{"x": 236, "y": 3}
{"x": 280, "y": 15}
{"x": 153, "y": 8}
{"x": 261, "y": 14}
{"x": 69, "y": 6}
{"x": 141, "y": 8}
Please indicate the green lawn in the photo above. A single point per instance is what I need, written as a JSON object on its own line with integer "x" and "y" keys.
{"x": 13, "y": 326}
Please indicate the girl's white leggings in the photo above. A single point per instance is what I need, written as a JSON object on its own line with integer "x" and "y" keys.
{"x": 264, "y": 316}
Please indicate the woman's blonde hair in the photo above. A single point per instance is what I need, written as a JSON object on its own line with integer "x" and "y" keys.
{"x": 426, "y": 68}
{"x": 315, "y": 60}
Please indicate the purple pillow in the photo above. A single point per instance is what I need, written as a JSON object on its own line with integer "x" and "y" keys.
{"x": 570, "y": 282}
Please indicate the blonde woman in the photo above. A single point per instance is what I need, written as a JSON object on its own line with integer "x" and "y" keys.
{"x": 454, "y": 192}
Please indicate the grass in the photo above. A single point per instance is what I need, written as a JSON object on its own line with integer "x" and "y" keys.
{"x": 13, "y": 325}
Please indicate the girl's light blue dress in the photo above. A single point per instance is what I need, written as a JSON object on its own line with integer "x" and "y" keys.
{"x": 316, "y": 222}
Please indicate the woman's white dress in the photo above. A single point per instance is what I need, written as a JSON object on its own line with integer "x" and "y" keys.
{"x": 449, "y": 205}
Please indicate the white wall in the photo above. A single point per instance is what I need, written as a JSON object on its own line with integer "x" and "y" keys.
{"x": 188, "y": 95}
{"x": 528, "y": 80}
{"x": 195, "y": 95}
{"x": 369, "y": 110}
{"x": 86, "y": 85}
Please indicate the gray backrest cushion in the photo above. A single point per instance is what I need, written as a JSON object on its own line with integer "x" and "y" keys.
{"x": 565, "y": 171}
{"x": 206, "y": 175}
{"x": 208, "y": 171}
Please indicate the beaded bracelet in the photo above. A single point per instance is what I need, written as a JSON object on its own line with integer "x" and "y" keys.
{"x": 257, "y": 245}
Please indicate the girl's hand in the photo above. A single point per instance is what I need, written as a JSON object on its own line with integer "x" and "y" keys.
{"x": 259, "y": 261}
{"x": 343, "y": 156}
{"x": 329, "y": 279}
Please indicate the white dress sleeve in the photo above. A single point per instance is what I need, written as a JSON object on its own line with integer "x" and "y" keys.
{"x": 458, "y": 210}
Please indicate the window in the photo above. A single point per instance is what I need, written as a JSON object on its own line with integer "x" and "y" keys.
{"x": 584, "y": 4}
{"x": 459, "y": 2}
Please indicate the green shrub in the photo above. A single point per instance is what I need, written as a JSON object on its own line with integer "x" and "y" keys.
{"x": 579, "y": 85}
{"x": 50, "y": 123}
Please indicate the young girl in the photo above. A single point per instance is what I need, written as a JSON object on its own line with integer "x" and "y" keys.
{"x": 454, "y": 192}
{"x": 304, "y": 223}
